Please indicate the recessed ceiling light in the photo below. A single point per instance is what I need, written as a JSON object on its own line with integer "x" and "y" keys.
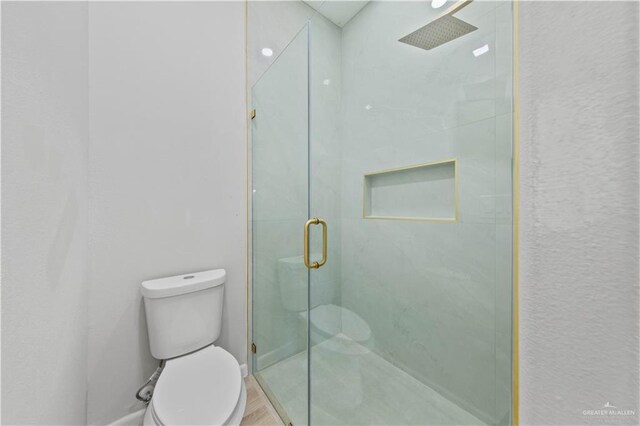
{"x": 437, "y": 3}
{"x": 368, "y": 107}
{"x": 481, "y": 50}
{"x": 267, "y": 52}
{"x": 326, "y": 82}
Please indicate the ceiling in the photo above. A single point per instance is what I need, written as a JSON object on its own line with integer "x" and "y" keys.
{"x": 338, "y": 12}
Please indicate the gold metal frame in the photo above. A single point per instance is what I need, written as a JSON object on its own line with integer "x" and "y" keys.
{"x": 248, "y": 303}
{"x": 515, "y": 355}
{"x": 414, "y": 166}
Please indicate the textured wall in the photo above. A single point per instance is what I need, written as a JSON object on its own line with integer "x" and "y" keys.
{"x": 578, "y": 211}
{"x": 167, "y": 191}
{"x": 44, "y": 236}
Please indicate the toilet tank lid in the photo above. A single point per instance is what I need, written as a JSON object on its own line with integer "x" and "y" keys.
{"x": 182, "y": 284}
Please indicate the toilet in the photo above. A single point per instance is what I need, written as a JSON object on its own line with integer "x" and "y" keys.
{"x": 201, "y": 384}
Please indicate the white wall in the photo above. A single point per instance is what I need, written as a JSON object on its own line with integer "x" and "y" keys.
{"x": 167, "y": 176}
{"x": 44, "y": 234}
{"x": 578, "y": 211}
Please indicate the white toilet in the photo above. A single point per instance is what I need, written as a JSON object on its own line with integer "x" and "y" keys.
{"x": 201, "y": 384}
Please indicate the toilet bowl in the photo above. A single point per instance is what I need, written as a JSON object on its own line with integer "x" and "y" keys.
{"x": 202, "y": 388}
{"x": 201, "y": 384}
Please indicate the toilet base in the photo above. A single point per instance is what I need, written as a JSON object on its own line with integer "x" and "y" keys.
{"x": 235, "y": 419}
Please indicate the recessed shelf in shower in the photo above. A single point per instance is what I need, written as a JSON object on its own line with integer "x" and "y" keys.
{"x": 418, "y": 192}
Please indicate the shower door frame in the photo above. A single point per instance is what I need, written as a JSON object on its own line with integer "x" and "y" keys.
{"x": 252, "y": 114}
{"x": 249, "y": 114}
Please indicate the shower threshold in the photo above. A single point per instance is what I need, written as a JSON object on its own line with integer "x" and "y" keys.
{"x": 355, "y": 386}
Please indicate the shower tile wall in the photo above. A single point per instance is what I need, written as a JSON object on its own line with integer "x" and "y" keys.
{"x": 325, "y": 149}
{"x": 436, "y": 295}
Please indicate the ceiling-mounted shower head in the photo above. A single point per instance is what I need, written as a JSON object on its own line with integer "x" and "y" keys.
{"x": 441, "y": 30}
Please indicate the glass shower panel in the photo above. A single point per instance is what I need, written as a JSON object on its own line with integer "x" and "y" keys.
{"x": 279, "y": 170}
{"x": 410, "y": 317}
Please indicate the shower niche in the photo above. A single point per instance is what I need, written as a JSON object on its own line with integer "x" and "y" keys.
{"x": 418, "y": 192}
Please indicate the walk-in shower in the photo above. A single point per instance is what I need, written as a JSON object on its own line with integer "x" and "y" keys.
{"x": 405, "y": 154}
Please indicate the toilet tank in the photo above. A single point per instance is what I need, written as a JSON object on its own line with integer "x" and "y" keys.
{"x": 184, "y": 313}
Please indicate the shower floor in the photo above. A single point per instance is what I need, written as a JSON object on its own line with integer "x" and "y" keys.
{"x": 358, "y": 389}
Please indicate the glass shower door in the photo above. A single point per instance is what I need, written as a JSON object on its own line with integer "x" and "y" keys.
{"x": 279, "y": 169}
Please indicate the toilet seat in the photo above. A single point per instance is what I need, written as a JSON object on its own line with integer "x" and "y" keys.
{"x": 202, "y": 388}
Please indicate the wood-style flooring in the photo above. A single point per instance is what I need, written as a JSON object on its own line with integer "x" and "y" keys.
{"x": 259, "y": 411}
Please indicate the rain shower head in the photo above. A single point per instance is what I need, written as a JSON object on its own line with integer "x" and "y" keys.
{"x": 441, "y": 30}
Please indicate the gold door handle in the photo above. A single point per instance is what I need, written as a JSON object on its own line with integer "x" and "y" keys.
{"x": 315, "y": 221}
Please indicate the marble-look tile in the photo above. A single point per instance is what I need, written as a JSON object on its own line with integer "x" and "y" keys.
{"x": 429, "y": 290}
{"x": 282, "y": 197}
{"x": 504, "y": 172}
{"x": 325, "y": 146}
{"x": 503, "y": 321}
{"x": 431, "y": 312}
{"x": 473, "y": 146}
{"x": 504, "y": 58}
{"x": 274, "y": 326}
{"x": 279, "y": 137}
{"x": 417, "y": 90}
{"x": 359, "y": 389}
